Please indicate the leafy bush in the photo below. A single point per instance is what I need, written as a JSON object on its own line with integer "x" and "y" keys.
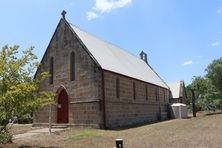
{"x": 5, "y": 137}
{"x": 25, "y": 119}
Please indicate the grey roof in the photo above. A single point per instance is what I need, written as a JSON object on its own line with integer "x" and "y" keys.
{"x": 175, "y": 88}
{"x": 115, "y": 59}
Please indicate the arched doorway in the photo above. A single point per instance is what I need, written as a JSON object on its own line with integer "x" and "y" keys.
{"x": 63, "y": 107}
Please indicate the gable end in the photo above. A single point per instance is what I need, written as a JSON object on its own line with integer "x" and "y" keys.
{"x": 79, "y": 40}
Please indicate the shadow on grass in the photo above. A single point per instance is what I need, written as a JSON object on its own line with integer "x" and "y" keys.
{"x": 36, "y": 146}
{"x": 189, "y": 117}
{"x": 214, "y": 113}
{"x": 136, "y": 125}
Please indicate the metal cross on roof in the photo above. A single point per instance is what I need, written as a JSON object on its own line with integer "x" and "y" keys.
{"x": 63, "y": 14}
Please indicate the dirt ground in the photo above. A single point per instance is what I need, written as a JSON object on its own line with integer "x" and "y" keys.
{"x": 203, "y": 131}
{"x": 20, "y": 128}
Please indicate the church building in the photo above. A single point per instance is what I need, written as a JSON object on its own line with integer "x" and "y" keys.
{"x": 97, "y": 83}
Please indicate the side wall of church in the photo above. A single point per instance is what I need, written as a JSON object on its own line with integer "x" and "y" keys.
{"x": 129, "y": 101}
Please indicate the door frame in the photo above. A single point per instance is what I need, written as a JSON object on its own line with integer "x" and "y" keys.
{"x": 58, "y": 92}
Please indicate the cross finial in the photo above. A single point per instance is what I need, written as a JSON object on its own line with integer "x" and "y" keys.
{"x": 63, "y": 14}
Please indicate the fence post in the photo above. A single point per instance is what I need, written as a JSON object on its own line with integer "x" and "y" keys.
{"x": 193, "y": 103}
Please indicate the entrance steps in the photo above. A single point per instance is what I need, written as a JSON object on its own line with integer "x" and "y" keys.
{"x": 60, "y": 125}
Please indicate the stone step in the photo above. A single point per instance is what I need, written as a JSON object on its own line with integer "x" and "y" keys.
{"x": 59, "y": 126}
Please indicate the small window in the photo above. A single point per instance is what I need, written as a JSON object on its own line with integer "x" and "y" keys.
{"x": 134, "y": 91}
{"x": 51, "y": 70}
{"x": 167, "y": 95}
{"x": 72, "y": 66}
{"x": 164, "y": 95}
{"x": 146, "y": 92}
{"x": 157, "y": 94}
{"x": 117, "y": 87}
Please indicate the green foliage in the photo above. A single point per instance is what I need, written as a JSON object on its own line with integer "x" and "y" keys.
{"x": 188, "y": 94}
{"x": 25, "y": 119}
{"x": 19, "y": 91}
{"x": 5, "y": 137}
{"x": 208, "y": 89}
{"x": 214, "y": 73}
{"x": 200, "y": 85}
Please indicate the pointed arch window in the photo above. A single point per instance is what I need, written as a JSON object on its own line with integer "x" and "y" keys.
{"x": 157, "y": 94}
{"x": 72, "y": 66}
{"x": 134, "y": 90}
{"x": 51, "y": 70}
{"x": 117, "y": 87}
{"x": 164, "y": 96}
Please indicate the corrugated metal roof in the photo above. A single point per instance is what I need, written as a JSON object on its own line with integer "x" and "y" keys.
{"x": 175, "y": 89}
{"x": 113, "y": 58}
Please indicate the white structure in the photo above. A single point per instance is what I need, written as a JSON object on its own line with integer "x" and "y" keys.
{"x": 179, "y": 110}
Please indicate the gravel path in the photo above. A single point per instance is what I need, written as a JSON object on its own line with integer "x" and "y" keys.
{"x": 36, "y": 132}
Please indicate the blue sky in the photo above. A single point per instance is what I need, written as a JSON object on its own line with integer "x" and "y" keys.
{"x": 181, "y": 37}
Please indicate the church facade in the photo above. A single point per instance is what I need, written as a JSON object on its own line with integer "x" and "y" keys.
{"x": 97, "y": 83}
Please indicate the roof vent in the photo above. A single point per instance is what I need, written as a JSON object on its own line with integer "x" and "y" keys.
{"x": 143, "y": 56}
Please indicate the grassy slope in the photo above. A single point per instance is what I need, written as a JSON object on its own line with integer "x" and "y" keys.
{"x": 203, "y": 131}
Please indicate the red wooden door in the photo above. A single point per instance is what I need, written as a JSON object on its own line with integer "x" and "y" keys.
{"x": 63, "y": 108}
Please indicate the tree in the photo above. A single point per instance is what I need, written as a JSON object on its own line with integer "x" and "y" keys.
{"x": 200, "y": 85}
{"x": 214, "y": 73}
{"x": 209, "y": 87}
{"x": 19, "y": 91}
{"x": 188, "y": 94}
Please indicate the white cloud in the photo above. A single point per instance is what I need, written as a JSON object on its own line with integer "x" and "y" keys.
{"x": 219, "y": 11}
{"x": 91, "y": 15}
{"x": 109, "y": 5}
{"x": 188, "y": 62}
{"x": 214, "y": 44}
{"x": 194, "y": 61}
{"x": 105, "y": 6}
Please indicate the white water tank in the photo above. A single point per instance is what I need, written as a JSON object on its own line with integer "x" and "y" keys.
{"x": 178, "y": 110}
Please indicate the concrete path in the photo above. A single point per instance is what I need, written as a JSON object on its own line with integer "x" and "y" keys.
{"x": 36, "y": 132}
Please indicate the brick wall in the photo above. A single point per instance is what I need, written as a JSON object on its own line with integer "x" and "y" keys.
{"x": 129, "y": 109}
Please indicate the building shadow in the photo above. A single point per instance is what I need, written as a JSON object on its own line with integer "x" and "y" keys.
{"x": 121, "y": 128}
{"x": 214, "y": 113}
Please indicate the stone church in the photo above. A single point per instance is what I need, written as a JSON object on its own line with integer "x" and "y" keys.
{"x": 97, "y": 83}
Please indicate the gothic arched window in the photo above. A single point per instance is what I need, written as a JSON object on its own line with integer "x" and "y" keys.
{"x": 72, "y": 66}
{"x": 51, "y": 70}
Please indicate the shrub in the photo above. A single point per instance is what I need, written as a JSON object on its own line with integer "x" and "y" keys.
{"x": 5, "y": 137}
{"x": 25, "y": 119}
